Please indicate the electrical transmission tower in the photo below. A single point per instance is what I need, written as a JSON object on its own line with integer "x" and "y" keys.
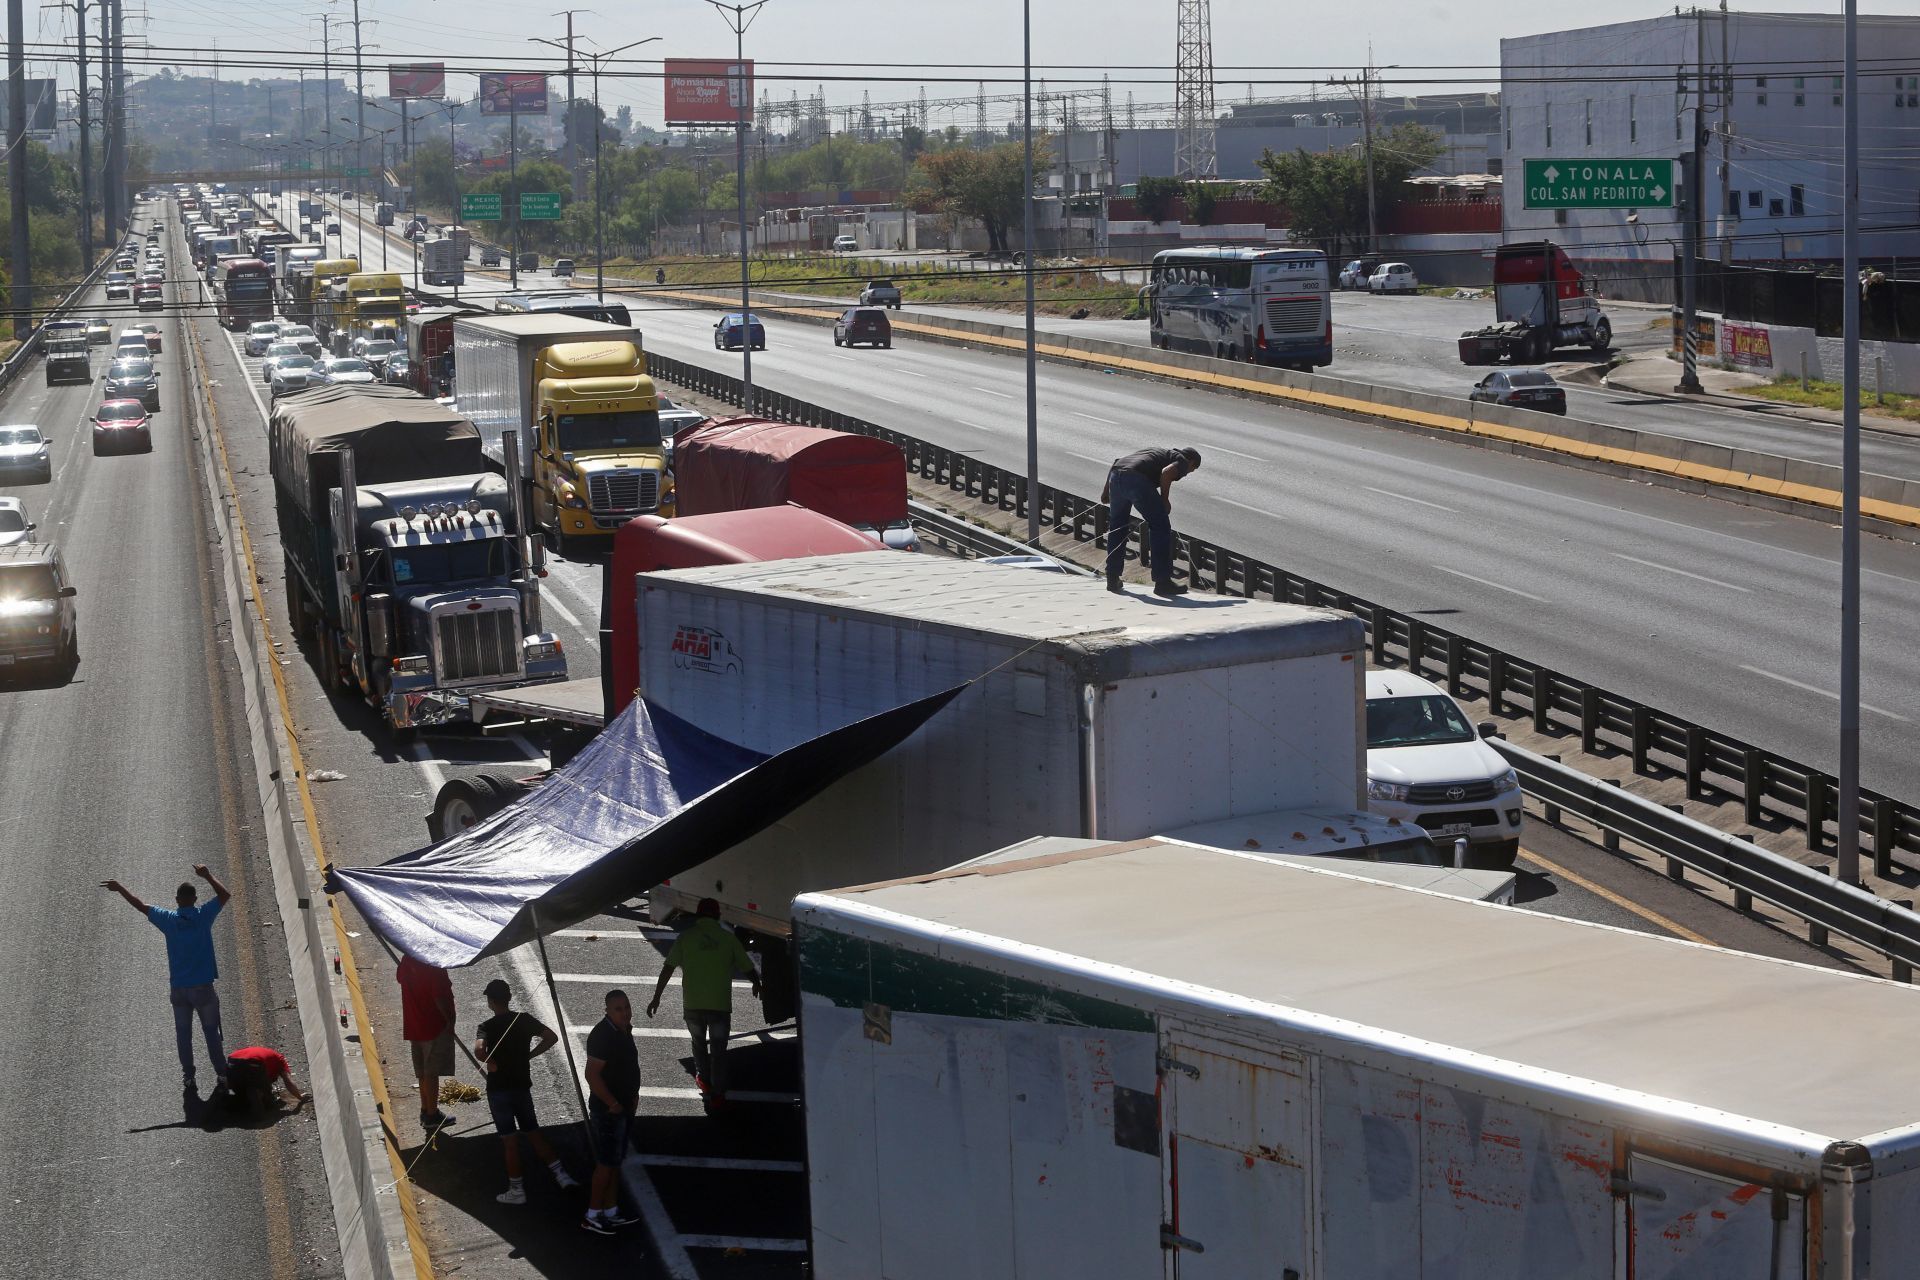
{"x": 1195, "y": 153}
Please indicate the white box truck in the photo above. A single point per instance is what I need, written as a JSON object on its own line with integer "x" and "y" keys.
{"x": 443, "y": 261}
{"x": 1106, "y": 716}
{"x": 1300, "y": 1073}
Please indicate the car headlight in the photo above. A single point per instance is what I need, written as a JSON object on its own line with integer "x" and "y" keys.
{"x": 1508, "y": 781}
{"x": 1395, "y": 791}
{"x": 539, "y": 650}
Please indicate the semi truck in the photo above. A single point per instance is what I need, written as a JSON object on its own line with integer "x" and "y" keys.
{"x": 288, "y": 260}
{"x": 429, "y": 338}
{"x": 576, "y": 396}
{"x": 310, "y": 286}
{"x": 359, "y": 305}
{"x": 443, "y": 261}
{"x": 731, "y": 464}
{"x": 1142, "y": 1060}
{"x": 1541, "y": 303}
{"x": 406, "y": 562}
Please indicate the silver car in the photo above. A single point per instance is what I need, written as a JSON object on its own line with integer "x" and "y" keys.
{"x": 278, "y": 352}
{"x": 23, "y": 451}
{"x": 342, "y": 371}
{"x": 14, "y": 525}
{"x": 292, "y": 373}
{"x": 262, "y": 335}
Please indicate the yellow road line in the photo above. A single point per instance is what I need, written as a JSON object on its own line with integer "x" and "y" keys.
{"x": 376, "y": 1078}
{"x": 1600, "y": 891}
{"x": 1811, "y": 495}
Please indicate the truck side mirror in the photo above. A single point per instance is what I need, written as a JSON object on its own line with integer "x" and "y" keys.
{"x": 68, "y": 593}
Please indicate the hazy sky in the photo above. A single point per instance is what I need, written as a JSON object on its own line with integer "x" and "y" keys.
{"x": 1281, "y": 47}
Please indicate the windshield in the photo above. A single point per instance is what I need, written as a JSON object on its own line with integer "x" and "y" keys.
{"x": 294, "y": 363}
{"x": 451, "y": 562}
{"x": 11, "y": 521}
{"x": 266, "y": 329}
{"x": 381, "y": 348}
{"x": 19, "y": 435}
{"x": 131, "y": 369}
{"x": 119, "y": 277}
{"x": 635, "y": 429}
{"x": 121, "y": 410}
{"x": 347, "y": 365}
{"x": 1530, "y": 378}
{"x": 286, "y": 351}
{"x": 1407, "y": 722}
{"x": 26, "y": 582}
{"x": 298, "y": 331}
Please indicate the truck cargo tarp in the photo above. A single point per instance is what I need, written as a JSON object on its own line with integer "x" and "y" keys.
{"x": 651, "y": 797}
{"x": 749, "y": 462}
{"x": 394, "y": 434}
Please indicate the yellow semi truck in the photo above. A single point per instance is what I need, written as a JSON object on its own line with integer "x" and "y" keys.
{"x": 577, "y": 396}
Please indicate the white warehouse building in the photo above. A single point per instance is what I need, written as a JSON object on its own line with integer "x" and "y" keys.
{"x": 1773, "y": 121}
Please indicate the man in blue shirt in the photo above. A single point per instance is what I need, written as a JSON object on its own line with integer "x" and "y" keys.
{"x": 191, "y": 971}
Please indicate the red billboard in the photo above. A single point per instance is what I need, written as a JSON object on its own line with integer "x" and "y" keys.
{"x": 417, "y": 80}
{"x": 705, "y": 92}
{"x": 513, "y": 93}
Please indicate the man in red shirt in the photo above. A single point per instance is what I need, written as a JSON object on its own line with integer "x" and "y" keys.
{"x": 253, "y": 1072}
{"x": 426, "y": 1023}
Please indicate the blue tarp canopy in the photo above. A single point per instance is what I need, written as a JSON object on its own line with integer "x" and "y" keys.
{"x": 651, "y": 797}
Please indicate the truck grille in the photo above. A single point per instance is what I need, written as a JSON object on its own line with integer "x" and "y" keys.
{"x": 624, "y": 491}
{"x": 1293, "y": 315}
{"x": 477, "y": 644}
{"x": 1475, "y": 792}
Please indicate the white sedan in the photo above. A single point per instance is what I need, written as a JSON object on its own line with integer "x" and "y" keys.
{"x": 263, "y": 334}
{"x": 1393, "y": 277}
{"x": 343, "y": 371}
{"x": 14, "y": 525}
{"x": 1427, "y": 764}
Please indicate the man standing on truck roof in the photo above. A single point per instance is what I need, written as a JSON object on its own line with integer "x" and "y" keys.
{"x": 1143, "y": 481}
{"x": 191, "y": 970}
{"x": 711, "y": 955}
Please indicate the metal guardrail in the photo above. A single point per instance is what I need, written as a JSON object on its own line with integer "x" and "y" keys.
{"x": 1771, "y": 787}
{"x": 10, "y": 368}
{"x": 1750, "y": 871}
{"x": 952, "y": 534}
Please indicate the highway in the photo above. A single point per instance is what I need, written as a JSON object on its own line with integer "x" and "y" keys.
{"x": 1721, "y": 613}
{"x": 706, "y": 1186}
{"x": 135, "y": 769}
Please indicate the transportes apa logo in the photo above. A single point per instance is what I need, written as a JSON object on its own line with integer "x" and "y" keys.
{"x": 704, "y": 649}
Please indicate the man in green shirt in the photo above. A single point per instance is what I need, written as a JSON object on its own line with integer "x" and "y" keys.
{"x": 710, "y": 954}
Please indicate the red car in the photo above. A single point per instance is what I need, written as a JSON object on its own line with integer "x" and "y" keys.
{"x": 120, "y": 425}
{"x": 148, "y": 297}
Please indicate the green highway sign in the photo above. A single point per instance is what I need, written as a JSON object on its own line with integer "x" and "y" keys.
{"x": 1599, "y": 184}
{"x": 480, "y": 208}
{"x": 539, "y": 206}
{"x": 353, "y": 171}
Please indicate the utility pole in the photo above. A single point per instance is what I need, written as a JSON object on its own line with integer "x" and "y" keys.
{"x": 326, "y": 86}
{"x": 572, "y": 148}
{"x": 1847, "y": 858}
{"x": 1694, "y": 186}
{"x": 740, "y": 95}
{"x": 20, "y": 281}
{"x": 360, "y": 124}
{"x": 513, "y": 185}
{"x": 1026, "y": 265}
{"x": 86, "y": 147}
{"x": 109, "y": 206}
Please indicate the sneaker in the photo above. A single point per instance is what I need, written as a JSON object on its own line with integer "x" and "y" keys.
{"x": 1113, "y": 585}
{"x": 431, "y": 1120}
{"x": 512, "y": 1195}
{"x": 615, "y": 1219}
{"x": 564, "y": 1180}
{"x": 595, "y": 1225}
{"x": 700, "y": 1082}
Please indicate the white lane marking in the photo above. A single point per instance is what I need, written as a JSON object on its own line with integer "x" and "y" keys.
{"x": 1497, "y": 586}
{"x": 1685, "y": 573}
{"x": 1093, "y": 417}
{"x": 1259, "y": 511}
{"x": 637, "y": 933}
{"x": 763, "y": 1244}
{"x": 1401, "y": 497}
{"x": 680, "y": 1033}
{"x": 1220, "y": 448}
{"x": 616, "y": 979}
{"x": 722, "y": 1162}
{"x": 911, "y": 374}
{"x": 673, "y": 1256}
{"x": 1814, "y": 688}
{"x": 976, "y": 426}
{"x": 885, "y": 399}
{"x": 839, "y": 355}
{"x": 1096, "y": 461}
{"x": 552, "y": 598}
{"x": 733, "y": 1095}
{"x": 989, "y": 392}
{"x": 429, "y": 767}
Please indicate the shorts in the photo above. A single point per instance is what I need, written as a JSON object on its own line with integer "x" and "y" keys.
{"x": 607, "y": 1135}
{"x": 433, "y": 1057}
{"x": 512, "y": 1110}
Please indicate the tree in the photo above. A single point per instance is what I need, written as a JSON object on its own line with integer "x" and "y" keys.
{"x": 987, "y": 184}
{"x": 1202, "y": 199}
{"x": 1326, "y": 193}
{"x": 1155, "y": 196}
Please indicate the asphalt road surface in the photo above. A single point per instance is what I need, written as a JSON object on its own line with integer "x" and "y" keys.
{"x": 136, "y": 768}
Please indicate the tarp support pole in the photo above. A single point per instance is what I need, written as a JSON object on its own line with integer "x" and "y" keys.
{"x": 560, "y": 1012}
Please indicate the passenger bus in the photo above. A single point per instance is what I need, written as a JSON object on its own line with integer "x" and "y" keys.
{"x": 1268, "y": 306}
{"x": 581, "y": 306}
{"x": 244, "y": 287}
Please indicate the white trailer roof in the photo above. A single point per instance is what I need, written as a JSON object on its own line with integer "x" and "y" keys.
{"x": 1816, "y": 1051}
{"x": 1044, "y": 610}
{"x": 566, "y": 328}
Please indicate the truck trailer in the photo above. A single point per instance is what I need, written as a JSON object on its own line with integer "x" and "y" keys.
{"x": 1541, "y": 303}
{"x": 405, "y": 561}
{"x": 732, "y": 464}
{"x": 576, "y": 396}
{"x": 443, "y": 261}
{"x": 1011, "y": 1069}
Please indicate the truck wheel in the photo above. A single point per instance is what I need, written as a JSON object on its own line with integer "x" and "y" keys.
{"x": 1539, "y": 347}
{"x": 1602, "y": 336}
{"x": 465, "y": 802}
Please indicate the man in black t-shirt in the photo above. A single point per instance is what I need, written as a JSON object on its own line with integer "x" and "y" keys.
{"x": 507, "y": 1043}
{"x": 613, "y": 1085}
{"x": 1143, "y": 481}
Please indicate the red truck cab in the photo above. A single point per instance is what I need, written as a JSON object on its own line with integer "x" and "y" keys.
{"x": 731, "y": 464}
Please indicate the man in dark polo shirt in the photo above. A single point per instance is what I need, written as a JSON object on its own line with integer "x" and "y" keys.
{"x": 613, "y": 1091}
{"x": 1143, "y": 482}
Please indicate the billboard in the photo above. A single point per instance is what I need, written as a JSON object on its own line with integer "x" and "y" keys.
{"x": 705, "y": 92}
{"x": 417, "y": 80}
{"x": 513, "y": 92}
{"x": 43, "y": 102}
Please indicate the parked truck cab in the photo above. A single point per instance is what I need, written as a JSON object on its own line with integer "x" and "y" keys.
{"x": 600, "y": 459}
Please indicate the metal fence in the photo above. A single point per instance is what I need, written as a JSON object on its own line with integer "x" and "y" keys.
{"x": 1772, "y": 788}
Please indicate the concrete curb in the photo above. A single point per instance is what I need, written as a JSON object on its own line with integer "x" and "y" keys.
{"x": 372, "y": 1221}
{"x": 1889, "y": 506}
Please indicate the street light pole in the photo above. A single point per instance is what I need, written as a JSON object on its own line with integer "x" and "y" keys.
{"x": 1026, "y": 261}
{"x": 1848, "y": 853}
{"x": 740, "y": 17}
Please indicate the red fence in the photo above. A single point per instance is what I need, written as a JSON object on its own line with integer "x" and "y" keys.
{"x": 1442, "y": 217}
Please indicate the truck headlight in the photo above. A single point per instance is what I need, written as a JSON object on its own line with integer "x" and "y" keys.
{"x": 542, "y": 650}
{"x": 1508, "y": 781}
{"x": 569, "y": 497}
{"x": 415, "y": 665}
{"x": 1394, "y": 791}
